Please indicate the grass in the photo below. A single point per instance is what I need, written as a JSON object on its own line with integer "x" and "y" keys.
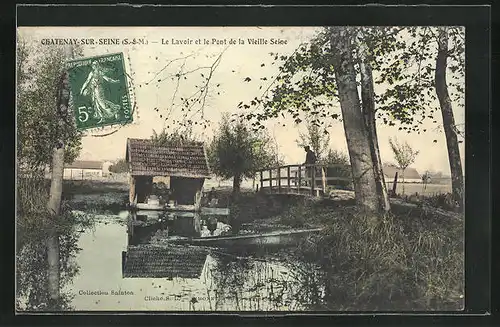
{"x": 411, "y": 259}
{"x": 387, "y": 263}
{"x": 93, "y": 187}
{"x": 412, "y": 188}
{"x": 34, "y": 221}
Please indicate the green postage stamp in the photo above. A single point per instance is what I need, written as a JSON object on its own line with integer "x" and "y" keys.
{"x": 100, "y": 91}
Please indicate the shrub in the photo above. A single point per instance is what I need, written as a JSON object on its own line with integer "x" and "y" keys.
{"x": 121, "y": 166}
{"x": 444, "y": 201}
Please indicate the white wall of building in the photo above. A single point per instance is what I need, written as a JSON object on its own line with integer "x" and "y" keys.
{"x": 77, "y": 173}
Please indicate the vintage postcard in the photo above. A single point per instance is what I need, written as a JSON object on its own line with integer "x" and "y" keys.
{"x": 240, "y": 168}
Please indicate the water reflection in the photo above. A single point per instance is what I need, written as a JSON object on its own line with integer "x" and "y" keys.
{"x": 32, "y": 289}
{"x": 126, "y": 265}
{"x": 163, "y": 261}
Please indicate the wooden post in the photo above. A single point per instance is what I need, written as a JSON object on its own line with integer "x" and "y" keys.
{"x": 131, "y": 197}
{"x": 313, "y": 179}
{"x": 288, "y": 178}
{"x": 300, "y": 179}
{"x": 197, "y": 201}
{"x": 197, "y": 223}
{"x": 395, "y": 184}
{"x": 323, "y": 177}
{"x": 270, "y": 180}
{"x": 279, "y": 179}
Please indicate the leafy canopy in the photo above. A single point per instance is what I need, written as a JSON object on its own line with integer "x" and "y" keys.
{"x": 39, "y": 71}
{"x": 402, "y": 59}
{"x": 404, "y": 154}
{"x": 237, "y": 151}
{"x": 174, "y": 138}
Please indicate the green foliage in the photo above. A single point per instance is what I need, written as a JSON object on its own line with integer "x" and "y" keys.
{"x": 121, "y": 166}
{"x": 175, "y": 138}
{"x": 444, "y": 201}
{"x": 316, "y": 137}
{"x": 39, "y": 72}
{"x": 305, "y": 84}
{"x": 386, "y": 263}
{"x": 336, "y": 157}
{"x": 404, "y": 156}
{"x": 409, "y": 69}
{"x": 403, "y": 153}
{"x": 295, "y": 216}
{"x": 237, "y": 152}
{"x": 401, "y": 57}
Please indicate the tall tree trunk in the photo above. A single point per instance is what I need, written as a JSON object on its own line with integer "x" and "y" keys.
{"x": 368, "y": 105}
{"x": 54, "y": 203}
{"x": 356, "y": 135}
{"x": 457, "y": 181}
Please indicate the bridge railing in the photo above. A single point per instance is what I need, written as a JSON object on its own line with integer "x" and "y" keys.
{"x": 313, "y": 179}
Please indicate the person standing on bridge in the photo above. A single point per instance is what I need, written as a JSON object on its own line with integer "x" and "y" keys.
{"x": 310, "y": 162}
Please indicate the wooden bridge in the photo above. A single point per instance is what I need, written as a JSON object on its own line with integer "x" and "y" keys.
{"x": 303, "y": 179}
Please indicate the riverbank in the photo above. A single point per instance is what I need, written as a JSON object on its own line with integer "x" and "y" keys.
{"x": 409, "y": 260}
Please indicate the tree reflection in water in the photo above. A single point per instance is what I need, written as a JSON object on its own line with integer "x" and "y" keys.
{"x": 32, "y": 289}
{"x": 269, "y": 283}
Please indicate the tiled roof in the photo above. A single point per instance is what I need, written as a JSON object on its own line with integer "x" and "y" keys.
{"x": 84, "y": 164}
{"x": 151, "y": 261}
{"x": 148, "y": 159}
{"x": 410, "y": 173}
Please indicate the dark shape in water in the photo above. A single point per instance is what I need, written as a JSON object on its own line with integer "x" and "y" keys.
{"x": 155, "y": 261}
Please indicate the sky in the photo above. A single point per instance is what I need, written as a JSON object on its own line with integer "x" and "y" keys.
{"x": 149, "y": 63}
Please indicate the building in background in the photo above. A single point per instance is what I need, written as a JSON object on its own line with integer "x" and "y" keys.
{"x": 83, "y": 169}
{"x": 411, "y": 175}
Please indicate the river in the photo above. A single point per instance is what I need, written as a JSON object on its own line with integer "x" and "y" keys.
{"x": 203, "y": 279}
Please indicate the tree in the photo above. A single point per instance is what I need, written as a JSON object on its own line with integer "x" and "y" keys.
{"x": 426, "y": 178}
{"x": 357, "y": 136}
{"x": 335, "y": 157}
{"x": 46, "y": 135}
{"x": 316, "y": 137}
{"x": 418, "y": 75}
{"x": 237, "y": 152}
{"x": 365, "y": 58}
{"x": 341, "y": 161}
{"x": 191, "y": 86}
{"x": 56, "y": 184}
{"x": 121, "y": 166}
{"x": 175, "y": 138}
{"x": 308, "y": 83}
{"x": 404, "y": 156}
{"x": 457, "y": 181}
{"x": 39, "y": 75}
